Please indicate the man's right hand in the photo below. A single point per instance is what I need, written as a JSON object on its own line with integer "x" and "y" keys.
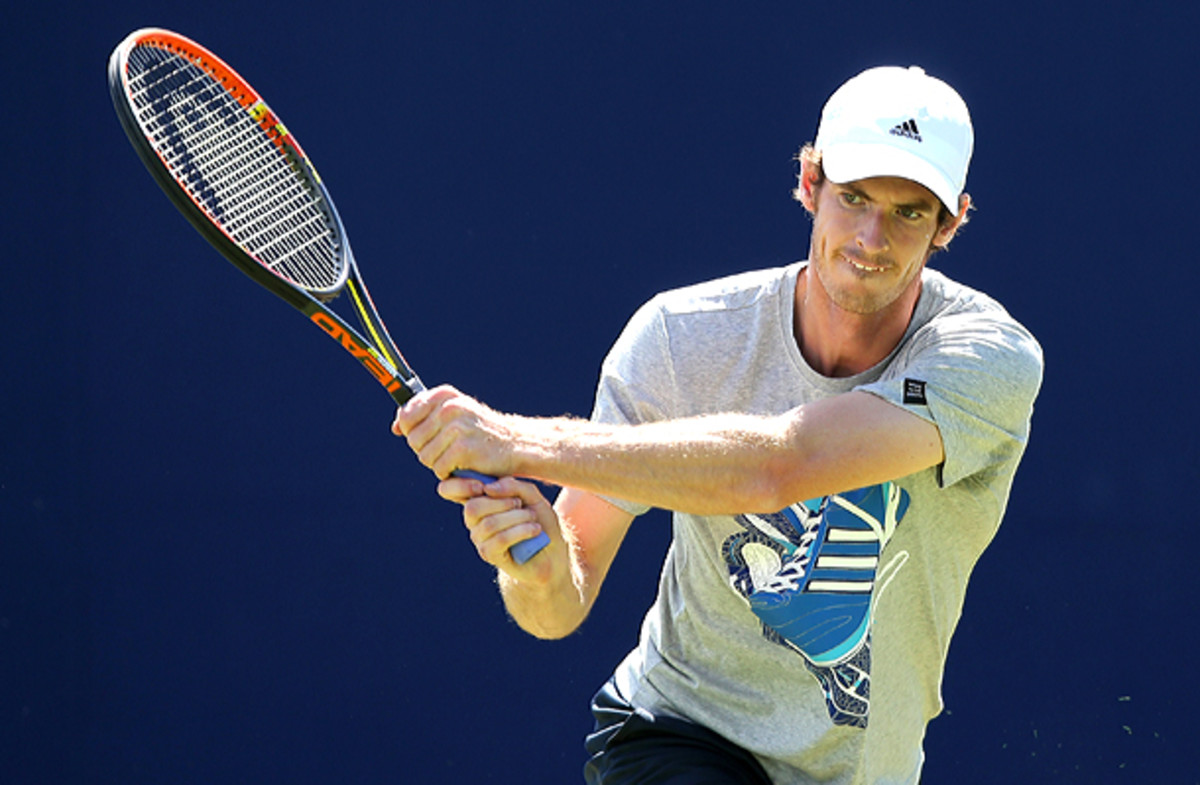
{"x": 500, "y": 514}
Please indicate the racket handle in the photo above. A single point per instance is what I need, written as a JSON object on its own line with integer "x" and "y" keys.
{"x": 524, "y": 550}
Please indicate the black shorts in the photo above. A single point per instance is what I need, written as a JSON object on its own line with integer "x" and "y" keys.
{"x": 633, "y": 747}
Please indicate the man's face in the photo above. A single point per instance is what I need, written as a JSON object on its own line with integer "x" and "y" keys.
{"x": 871, "y": 239}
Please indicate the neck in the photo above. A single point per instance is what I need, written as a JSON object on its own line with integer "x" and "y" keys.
{"x": 839, "y": 343}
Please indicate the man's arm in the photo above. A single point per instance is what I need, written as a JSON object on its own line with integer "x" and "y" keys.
{"x": 593, "y": 530}
{"x": 712, "y": 465}
{"x": 550, "y": 595}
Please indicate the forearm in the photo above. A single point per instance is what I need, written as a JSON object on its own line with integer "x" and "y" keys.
{"x": 549, "y": 611}
{"x": 557, "y": 601}
{"x": 720, "y": 464}
{"x": 726, "y": 464}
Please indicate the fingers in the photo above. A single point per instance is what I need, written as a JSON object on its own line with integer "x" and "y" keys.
{"x": 498, "y": 525}
{"x": 448, "y": 431}
{"x": 433, "y": 423}
{"x": 508, "y": 512}
{"x": 418, "y": 408}
{"x": 411, "y": 413}
{"x": 460, "y": 489}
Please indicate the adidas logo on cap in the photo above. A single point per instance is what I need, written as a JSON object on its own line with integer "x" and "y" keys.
{"x": 907, "y": 129}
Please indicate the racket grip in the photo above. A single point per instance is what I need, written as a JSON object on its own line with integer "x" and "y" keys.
{"x": 524, "y": 550}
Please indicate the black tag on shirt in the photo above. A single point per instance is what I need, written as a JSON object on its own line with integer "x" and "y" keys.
{"x": 914, "y": 392}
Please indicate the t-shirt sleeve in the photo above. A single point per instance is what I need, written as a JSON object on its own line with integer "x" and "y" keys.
{"x": 975, "y": 376}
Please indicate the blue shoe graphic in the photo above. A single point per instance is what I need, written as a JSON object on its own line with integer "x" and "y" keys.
{"x": 809, "y": 572}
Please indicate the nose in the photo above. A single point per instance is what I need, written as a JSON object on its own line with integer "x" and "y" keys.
{"x": 872, "y": 232}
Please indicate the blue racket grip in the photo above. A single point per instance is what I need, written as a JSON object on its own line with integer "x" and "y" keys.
{"x": 524, "y": 550}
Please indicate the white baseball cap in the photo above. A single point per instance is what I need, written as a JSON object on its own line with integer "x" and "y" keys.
{"x": 898, "y": 122}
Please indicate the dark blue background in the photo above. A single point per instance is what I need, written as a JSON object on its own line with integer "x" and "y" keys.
{"x": 216, "y": 563}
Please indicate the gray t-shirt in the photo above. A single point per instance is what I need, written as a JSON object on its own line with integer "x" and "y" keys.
{"x": 816, "y": 637}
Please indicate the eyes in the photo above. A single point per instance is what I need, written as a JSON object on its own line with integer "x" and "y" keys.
{"x": 908, "y": 213}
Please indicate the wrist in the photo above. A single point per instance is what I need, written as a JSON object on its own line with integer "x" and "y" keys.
{"x": 530, "y": 445}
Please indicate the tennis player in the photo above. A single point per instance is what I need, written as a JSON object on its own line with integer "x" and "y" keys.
{"x": 837, "y": 439}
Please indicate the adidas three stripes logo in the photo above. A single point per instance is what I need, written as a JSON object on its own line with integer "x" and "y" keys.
{"x": 907, "y": 129}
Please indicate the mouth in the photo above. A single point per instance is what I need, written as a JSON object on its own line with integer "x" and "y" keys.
{"x": 863, "y": 266}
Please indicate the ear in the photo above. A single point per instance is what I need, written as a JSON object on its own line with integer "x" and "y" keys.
{"x": 809, "y": 183}
{"x": 946, "y": 233}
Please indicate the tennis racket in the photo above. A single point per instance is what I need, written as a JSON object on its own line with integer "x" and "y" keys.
{"x": 231, "y": 167}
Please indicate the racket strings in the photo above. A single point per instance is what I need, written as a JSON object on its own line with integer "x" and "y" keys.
{"x": 233, "y": 169}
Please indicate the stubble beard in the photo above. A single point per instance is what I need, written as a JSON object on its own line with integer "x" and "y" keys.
{"x": 863, "y": 299}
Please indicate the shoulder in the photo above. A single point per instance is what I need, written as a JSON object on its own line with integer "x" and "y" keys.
{"x": 732, "y": 292}
{"x": 972, "y": 351}
{"x": 953, "y": 313}
{"x": 947, "y": 297}
{"x": 718, "y": 318}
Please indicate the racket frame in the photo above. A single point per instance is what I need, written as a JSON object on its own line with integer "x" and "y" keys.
{"x": 379, "y": 356}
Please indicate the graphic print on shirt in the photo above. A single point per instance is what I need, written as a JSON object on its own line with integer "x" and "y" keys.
{"x": 811, "y": 573}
